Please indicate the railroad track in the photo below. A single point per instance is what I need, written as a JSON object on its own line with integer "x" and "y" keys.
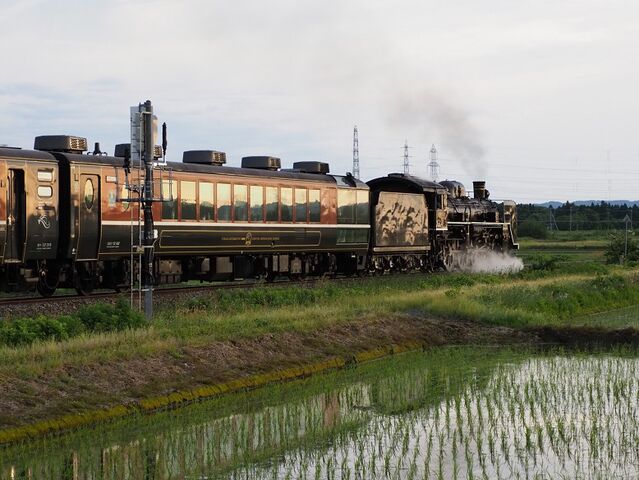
{"x": 60, "y": 299}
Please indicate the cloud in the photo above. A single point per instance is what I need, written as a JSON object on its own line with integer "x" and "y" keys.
{"x": 292, "y": 77}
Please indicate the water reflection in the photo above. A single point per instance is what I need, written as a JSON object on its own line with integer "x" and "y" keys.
{"x": 458, "y": 413}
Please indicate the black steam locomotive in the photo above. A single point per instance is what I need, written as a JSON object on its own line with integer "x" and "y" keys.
{"x": 66, "y": 220}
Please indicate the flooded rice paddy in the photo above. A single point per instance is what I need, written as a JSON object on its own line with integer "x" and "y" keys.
{"x": 447, "y": 413}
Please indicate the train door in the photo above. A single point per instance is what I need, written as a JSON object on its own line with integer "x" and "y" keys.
{"x": 16, "y": 216}
{"x": 3, "y": 208}
{"x": 89, "y": 228}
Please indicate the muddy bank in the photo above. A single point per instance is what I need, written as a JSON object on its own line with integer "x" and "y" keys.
{"x": 77, "y": 388}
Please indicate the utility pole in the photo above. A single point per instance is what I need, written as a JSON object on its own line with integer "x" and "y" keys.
{"x": 571, "y": 218}
{"x": 355, "y": 153}
{"x": 142, "y": 151}
{"x": 433, "y": 166}
{"x": 628, "y": 221}
{"x": 406, "y": 157}
{"x": 147, "y": 202}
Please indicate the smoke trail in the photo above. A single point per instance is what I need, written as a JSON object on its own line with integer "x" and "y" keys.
{"x": 442, "y": 122}
{"x": 480, "y": 260}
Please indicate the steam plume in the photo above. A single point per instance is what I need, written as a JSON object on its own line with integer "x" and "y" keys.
{"x": 441, "y": 121}
{"x": 480, "y": 260}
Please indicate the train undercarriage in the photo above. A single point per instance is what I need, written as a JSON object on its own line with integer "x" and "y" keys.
{"x": 84, "y": 277}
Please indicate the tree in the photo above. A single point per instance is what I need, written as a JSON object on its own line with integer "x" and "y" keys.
{"x": 617, "y": 247}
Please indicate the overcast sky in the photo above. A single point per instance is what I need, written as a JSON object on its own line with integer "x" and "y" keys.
{"x": 539, "y": 98}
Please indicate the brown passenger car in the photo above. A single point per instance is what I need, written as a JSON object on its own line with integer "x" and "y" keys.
{"x": 214, "y": 222}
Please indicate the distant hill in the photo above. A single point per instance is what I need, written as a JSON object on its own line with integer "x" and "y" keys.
{"x": 617, "y": 203}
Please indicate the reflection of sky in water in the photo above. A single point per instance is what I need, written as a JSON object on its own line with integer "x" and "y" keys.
{"x": 545, "y": 417}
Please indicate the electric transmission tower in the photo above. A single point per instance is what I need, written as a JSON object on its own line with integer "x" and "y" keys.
{"x": 355, "y": 153}
{"x": 406, "y": 157}
{"x": 433, "y": 166}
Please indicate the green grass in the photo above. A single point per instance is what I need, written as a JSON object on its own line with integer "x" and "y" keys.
{"x": 558, "y": 286}
{"x": 613, "y": 318}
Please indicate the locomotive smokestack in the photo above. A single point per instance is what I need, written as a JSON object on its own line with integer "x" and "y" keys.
{"x": 479, "y": 189}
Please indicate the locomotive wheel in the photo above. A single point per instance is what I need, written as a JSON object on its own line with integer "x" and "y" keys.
{"x": 48, "y": 280}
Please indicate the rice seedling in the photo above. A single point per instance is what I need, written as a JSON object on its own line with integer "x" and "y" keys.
{"x": 505, "y": 414}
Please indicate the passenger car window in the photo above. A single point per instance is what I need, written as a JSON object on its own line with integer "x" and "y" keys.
{"x": 89, "y": 193}
{"x": 207, "y": 211}
{"x": 240, "y": 201}
{"x": 287, "y": 204}
{"x": 45, "y": 191}
{"x": 257, "y": 203}
{"x": 346, "y": 200}
{"x": 314, "y": 205}
{"x": 45, "y": 175}
{"x": 169, "y": 199}
{"x": 187, "y": 200}
{"x": 300, "y": 205}
{"x": 124, "y": 193}
{"x": 223, "y": 202}
{"x": 362, "y": 207}
{"x": 272, "y": 204}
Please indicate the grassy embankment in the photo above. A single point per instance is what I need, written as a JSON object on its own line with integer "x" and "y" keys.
{"x": 555, "y": 291}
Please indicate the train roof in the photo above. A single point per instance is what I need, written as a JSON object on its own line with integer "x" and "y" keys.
{"x": 338, "y": 180}
{"x": 19, "y": 154}
{"x": 406, "y": 183}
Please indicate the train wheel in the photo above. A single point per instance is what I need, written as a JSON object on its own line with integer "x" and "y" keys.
{"x": 270, "y": 276}
{"x": 84, "y": 280}
{"x": 48, "y": 280}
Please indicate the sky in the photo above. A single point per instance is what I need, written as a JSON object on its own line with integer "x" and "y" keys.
{"x": 538, "y": 98}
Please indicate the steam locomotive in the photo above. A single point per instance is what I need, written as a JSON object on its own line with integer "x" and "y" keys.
{"x": 68, "y": 220}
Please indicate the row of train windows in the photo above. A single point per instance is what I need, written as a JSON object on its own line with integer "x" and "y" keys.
{"x": 225, "y": 202}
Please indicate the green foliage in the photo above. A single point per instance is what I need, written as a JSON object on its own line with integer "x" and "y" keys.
{"x": 544, "y": 262}
{"x": 596, "y": 216}
{"x": 103, "y": 317}
{"x": 533, "y": 229}
{"x": 617, "y": 248}
{"x": 555, "y": 302}
{"x": 99, "y": 317}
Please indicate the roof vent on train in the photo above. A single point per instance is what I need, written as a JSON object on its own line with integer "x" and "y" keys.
{"x": 311, "y": 167}
{"x": 60, "y": 143}
{"x": 262, "y": 163}
{"x": 122, "y": 148}
{"x": 204, "y": 157}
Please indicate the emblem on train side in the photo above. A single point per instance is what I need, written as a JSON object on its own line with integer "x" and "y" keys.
{"x": 45, "y": 222}
{"x": 248, "y": 240}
